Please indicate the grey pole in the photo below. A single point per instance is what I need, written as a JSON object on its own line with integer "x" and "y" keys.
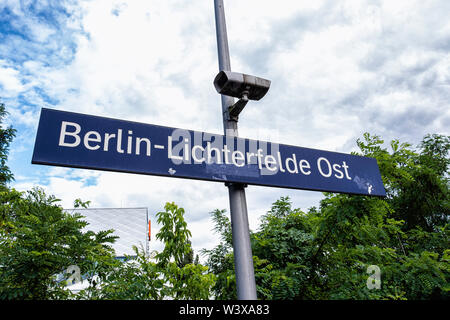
{"x": 243, "y": 258}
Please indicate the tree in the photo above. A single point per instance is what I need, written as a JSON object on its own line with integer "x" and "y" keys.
{"x": 416, "y": 181}
{"x": 39, "y": 240}
{"x": 185, "y": 280}
{"x": 6, "y": 137}
{"x": 174, "y": 234}
{"x": 136, "y": 278}
{"x": 172, "y": 275}
{"x": 220, "y": 259}
{"x": 326, "y": 252}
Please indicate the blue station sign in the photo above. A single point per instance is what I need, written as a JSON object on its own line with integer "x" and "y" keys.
{"x": 91, "y": 142}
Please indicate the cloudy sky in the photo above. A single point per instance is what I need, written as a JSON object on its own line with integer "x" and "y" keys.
{"x": 338, "y": 69}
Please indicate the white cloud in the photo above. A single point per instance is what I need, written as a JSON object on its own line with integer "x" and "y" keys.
{"x": 10, "y": 84}
{"x": 338, "y": 68}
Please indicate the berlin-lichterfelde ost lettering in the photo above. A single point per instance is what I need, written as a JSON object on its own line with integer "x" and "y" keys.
{"x": 186, "y": 147}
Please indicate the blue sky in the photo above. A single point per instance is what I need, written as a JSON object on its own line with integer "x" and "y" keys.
{"x": 338, "y": 69}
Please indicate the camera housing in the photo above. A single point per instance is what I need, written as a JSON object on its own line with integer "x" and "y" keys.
{"x": 241, "y": 85}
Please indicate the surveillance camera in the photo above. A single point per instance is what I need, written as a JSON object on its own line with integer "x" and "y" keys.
{"x": 239, "y": 85}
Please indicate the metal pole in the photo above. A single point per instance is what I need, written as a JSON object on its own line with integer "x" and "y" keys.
{"x": 147, "y": 243}
{"x": 243, "y": 258}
